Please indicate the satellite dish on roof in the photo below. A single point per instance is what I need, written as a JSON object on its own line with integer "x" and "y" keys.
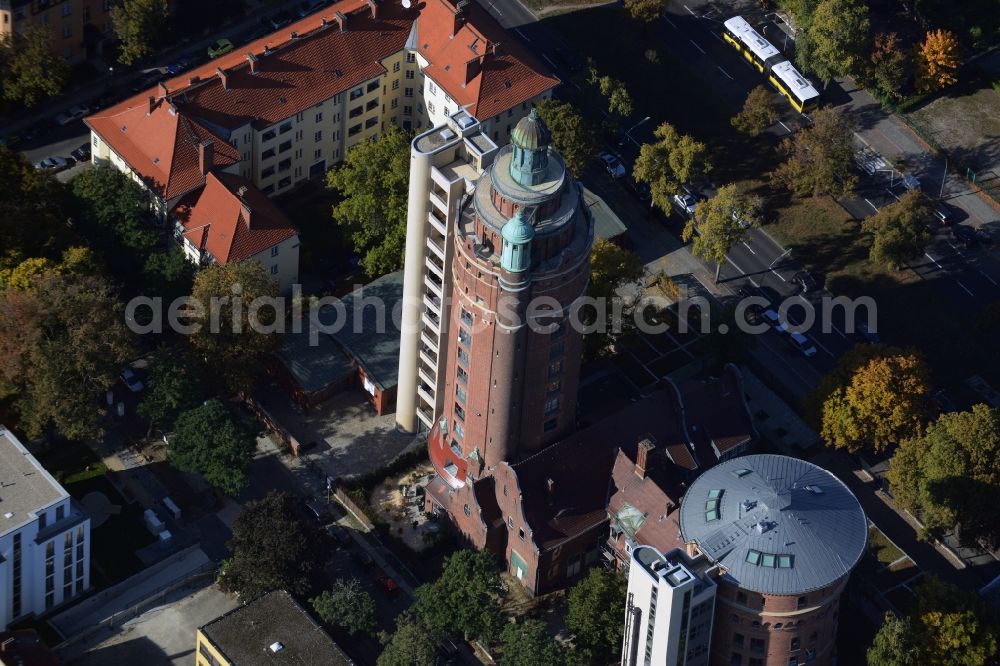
{"x": 406, "y": 4}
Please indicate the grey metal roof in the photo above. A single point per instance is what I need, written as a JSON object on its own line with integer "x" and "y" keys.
{"x": 775, "y": 505}
{"x": 25, "y": 486}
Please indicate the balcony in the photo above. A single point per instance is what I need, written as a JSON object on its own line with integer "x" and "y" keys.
{"x": 437, "y": 222}
{"x": 425, "y": 417}
{"x": 425, "y": 376}
{"x": 433, "y": 303}
{"x": 436, "y": 267}
{"x": 429, "y": 360}
{"x": 433, "y": 284}
{"x": 428, "y": 341}
{"x": 431, "y": 320}
{"x": 426, "y": 393}
{"x": 437, "y": 249}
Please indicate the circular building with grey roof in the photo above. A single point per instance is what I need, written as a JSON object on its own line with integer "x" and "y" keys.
{"x": 785, "y": 535}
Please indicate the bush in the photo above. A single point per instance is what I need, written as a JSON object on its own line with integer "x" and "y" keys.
{"x": 996, "y": 86}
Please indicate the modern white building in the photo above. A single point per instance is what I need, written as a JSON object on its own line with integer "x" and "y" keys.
{"x": 669, "y": 609}
{"x": 44, "y": 537}
{"x": 445, "y": 163}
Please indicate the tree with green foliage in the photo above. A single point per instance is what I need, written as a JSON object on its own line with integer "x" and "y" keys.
{"x": 75, "y": 261}
{"x": 895, "y": 644}
{"x": 29, "y": 69}
{"x": 348, "y": 606}
{"x": 272, "y": 549}
{"x": 721, "y": 222}
{"x": 899, "y": 230}
{"x": 528, "y": 643}
{"x": 948, "y": 627}
{"x": 242, "y": 335}
{"x": 207, "y": 440}
{"x": 464, "y": 599}
{"x": 672, "y": 161}
{"x": 173, "y": 386}
{"x": 32, "y": 217}
{"x": 758, "y": 112}
{"x": 949, "y": 478}
{"x": 410, "y": 645}
{"x": 840, "y": 377}
{"x": 819, "y": 157}
{"x": 839, "y": 33}
{"x": 890, "y": 65}
{"x": 619, "y": 100}
{"x": 645, "y": 11}
{"x": 374, "y": 182}
{"x": 575, "y": 139}
{"x": 62, "y": 344}
{"x": 138, "y": 24}
{"x": 611, "y": 269}
{"x": 594, "y": 614}
{"x": 883, "y": 404}
{"x": 168, "y": 274}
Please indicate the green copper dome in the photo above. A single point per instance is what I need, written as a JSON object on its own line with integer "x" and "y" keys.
{"x": 531, "y": 133}
{"x": 517, "y": 234}
{"x": 530, "y": 159}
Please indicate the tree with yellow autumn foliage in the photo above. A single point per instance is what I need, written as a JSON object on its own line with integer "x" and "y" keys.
{"x": 937, "y": 61}
{"x": 882, "y": 404}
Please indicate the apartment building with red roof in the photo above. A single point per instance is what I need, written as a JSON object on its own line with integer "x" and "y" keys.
{"x": 230, "y": 220}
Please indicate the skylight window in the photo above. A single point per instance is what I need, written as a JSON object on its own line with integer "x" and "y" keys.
{"x": 753, "y": 556}
{"x": 784, "y": 561}
{"x": 712, "y": 505}
{"x": 714, "y": 494}
{"x": 767, "y": 560}
{"x": 711, "y": 515}
{"x": 815, "y": 490}
{"x": 741, "y": 472}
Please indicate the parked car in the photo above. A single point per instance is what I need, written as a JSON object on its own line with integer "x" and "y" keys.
{"x": 148, "y": 80}
{"x": 74, "y": 113}
{"x": 279, "y": 19}
{"x": 774, "y": 321}
{"x": 131, "y": 380}
{"x": 863, "y": 334}
{"x": 805, "y": 281}
{"x": 364, "y": 558}
{"x": 307, "y": 7}
{"x": 613, "y": 165}
{"x": 965, "y": 235}
{"x": 803, "y": 344}
{"x": 81, "y": 153}
{"x": 387, "y": 585}
{"x": 341, "y": 536}
{"x": 52, "y": 164}
{"x": 182, "y": 64}
{"x": 220, "y": 48}
{"x": 943, "y": 215}
{"x": 686, "y": 202}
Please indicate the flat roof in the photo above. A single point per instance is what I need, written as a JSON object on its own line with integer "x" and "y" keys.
{"x": 607, "y": 225}
{"x": 25, "y": 486}
{"x": 370, "y": 330}
{"x": 313, "y": 367}
{"x": 779, "y": 525}
{"x": 273, "y": 629}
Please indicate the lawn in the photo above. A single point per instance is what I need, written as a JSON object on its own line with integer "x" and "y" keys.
{"x": 72, "y": 462}
{"x": 881, "y": 547}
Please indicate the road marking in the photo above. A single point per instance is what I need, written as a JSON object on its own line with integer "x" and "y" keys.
{"x": 871, "y": 204}
{"x": 990, "y": 279}
{"x": 785, "y": 126}
{"x": 690, "y": 11}
{"x": 724, "y": 72}
{"x": 521, "y": 34}
{"x": 933, "y": 260}
{"x": 779, "y": 275}
{"x": 839, "y": 332}
{"x": 549, "y": 60}
{"x": 748, "y": 247}
{"x": 694, "y": 44}
{"x": 670, "y": 22}
{"x": 966, "y": 289}
{"x": 742, "y": 272}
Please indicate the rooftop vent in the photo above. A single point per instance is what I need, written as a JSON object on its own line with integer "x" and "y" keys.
{"x": 748, "y": 504}
{"x": 276, "y": 647}
{"x": 447, "y": 134}
{"x": 8, "y": 515}
{"x": 815, "y": 490}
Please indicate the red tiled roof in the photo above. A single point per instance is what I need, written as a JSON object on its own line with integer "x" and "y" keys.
{"x": 503, "y": 72}
{"x": 231, "y": 226}
{"x": 650, "y": 496}
{"x": 298, "y": 73}
{"x": 160, "y": 143}
{"x": 716, "y": 411}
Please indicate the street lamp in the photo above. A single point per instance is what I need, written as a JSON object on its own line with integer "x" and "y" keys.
{"x": 628, "y": 133}
{"x": 779, "y": 257}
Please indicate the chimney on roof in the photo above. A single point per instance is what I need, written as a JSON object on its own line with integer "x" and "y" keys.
{"x": 459, "y": 11}
{"x": 9, "y": 643}
{"x": 152, "y": 105}
{"x": 206, "y": 152}
{"x": 550, "y": 485}
{"x": 244, "y": 206}
{"x": 642, "y": 458}
{"x": 472, "y": 68}
{"x": 252, "y": 59}
{"x": 340, "y": 20}
{"x": 374, "y": 7}
{"x": 163, "y": 89}
{"x": 223, "y": 76}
